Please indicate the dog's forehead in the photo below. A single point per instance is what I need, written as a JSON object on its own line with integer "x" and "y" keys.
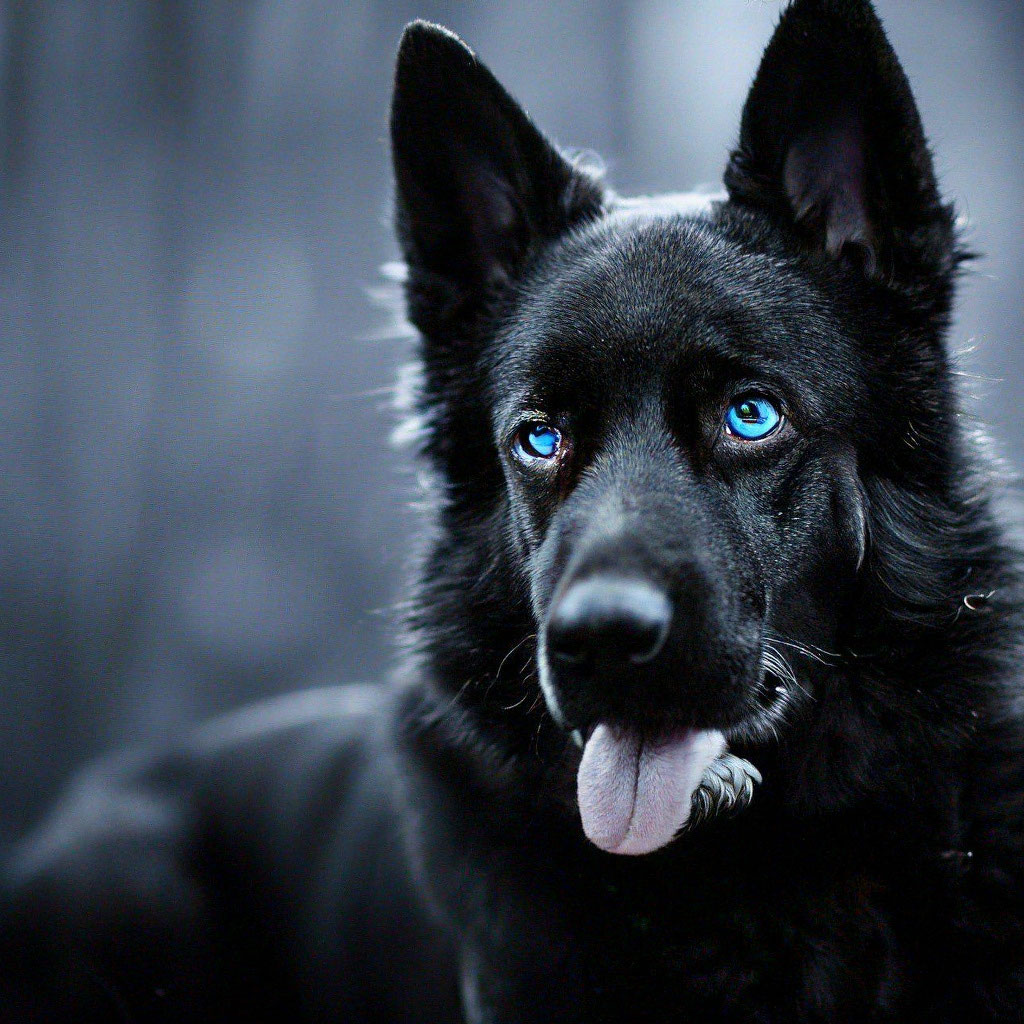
{"x": 649, "y": 287}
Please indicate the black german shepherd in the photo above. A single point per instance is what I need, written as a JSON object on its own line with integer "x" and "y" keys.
{"x": 714, "y": 580}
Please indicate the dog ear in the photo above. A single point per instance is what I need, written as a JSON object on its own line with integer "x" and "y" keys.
{"x": 477, "y": 184}
{"x": 831, "y": 143}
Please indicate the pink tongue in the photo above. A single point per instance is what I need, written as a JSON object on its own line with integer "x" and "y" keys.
{"x": 633, "y": 796}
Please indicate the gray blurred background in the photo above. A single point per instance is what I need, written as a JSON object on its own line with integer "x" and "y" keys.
{"x": 200, "y": 505}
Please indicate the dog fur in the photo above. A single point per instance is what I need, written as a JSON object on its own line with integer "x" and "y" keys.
{"x": 843, "y": 627}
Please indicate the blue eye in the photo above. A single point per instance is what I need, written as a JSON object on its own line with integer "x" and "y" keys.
{"x": 752, "y": 418}
{"x": 538, "y": 440}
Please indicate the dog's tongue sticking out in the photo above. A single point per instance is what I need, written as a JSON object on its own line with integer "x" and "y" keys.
{"x": 635, "y": 796}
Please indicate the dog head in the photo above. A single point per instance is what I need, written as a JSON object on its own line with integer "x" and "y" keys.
{"x": 670, "y": 433}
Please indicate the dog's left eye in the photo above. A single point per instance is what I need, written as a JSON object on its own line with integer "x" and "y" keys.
{"x": 752, "y": 418}
{"x": 537, "y": 440}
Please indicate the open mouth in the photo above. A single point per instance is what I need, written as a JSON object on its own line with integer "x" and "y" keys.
{"x": 635, "y": 795}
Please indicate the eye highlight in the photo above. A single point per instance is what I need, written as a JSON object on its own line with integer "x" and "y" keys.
{"x": 752, "y": 418}
{"x": 537, "y": 439}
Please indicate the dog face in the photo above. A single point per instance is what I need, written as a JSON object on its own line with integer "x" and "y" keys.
{"x": 671, "y": 419}
{"x": 674, "y": 415}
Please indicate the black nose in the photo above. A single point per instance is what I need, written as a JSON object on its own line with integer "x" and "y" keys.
{"x": 609, "y": 619}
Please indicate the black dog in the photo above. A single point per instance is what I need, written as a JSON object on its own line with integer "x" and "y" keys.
{"x": 705, "y": 509}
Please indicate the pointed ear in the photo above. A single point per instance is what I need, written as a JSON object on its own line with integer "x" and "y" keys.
{"x": 477, "y": 184}
{"x": 831, "y": 143}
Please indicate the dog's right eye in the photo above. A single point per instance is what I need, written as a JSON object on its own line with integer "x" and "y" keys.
{"x": 537, "y": 440}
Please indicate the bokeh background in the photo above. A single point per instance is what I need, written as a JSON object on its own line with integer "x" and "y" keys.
{"x": 200, "y": 505}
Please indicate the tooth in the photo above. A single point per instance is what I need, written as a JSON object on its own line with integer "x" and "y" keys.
{"x": 727, "y": 786}
{"x": 577, "y": 738}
